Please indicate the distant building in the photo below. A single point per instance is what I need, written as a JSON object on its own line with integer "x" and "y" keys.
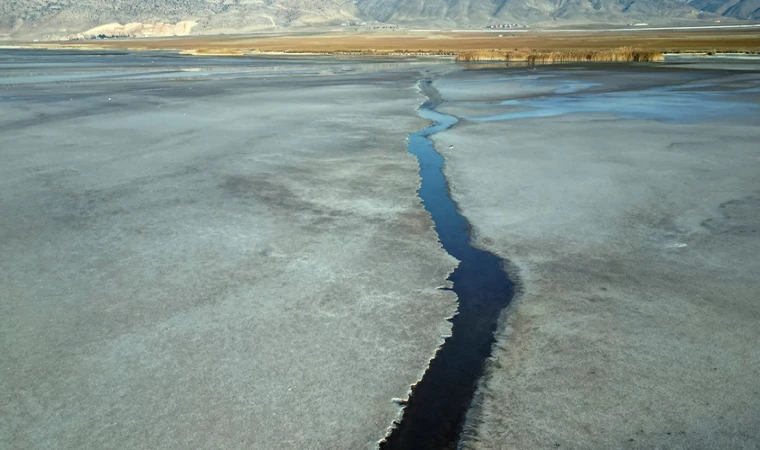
{"x": 500, "y": 26}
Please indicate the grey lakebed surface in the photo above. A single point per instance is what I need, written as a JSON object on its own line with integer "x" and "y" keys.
{"x": 229, "y": 252}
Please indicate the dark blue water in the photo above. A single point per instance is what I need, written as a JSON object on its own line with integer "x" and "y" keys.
{"x": 436, "y": 409}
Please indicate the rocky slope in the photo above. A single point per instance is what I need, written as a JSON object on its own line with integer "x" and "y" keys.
{"x": 479, "y": 12}
{"x": 58, "y": 18}
{"x": 740, "y": 9}
{"x": 66, "y": 18}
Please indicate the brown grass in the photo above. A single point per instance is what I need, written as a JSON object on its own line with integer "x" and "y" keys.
{"x": 623, "y": 54}
{"x": 539, "y": 46}
{"x": 213, "y": 51}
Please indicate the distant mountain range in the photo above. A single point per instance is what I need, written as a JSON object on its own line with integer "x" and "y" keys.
{"x": 58, "y": 18}
{"x": 479, "y": 12}
{"x": 740, "y": 9}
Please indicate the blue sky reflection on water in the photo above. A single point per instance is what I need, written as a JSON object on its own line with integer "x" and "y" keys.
{"x": 662, "y": 104}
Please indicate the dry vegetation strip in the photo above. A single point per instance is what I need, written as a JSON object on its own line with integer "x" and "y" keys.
{"x": 213, "y": 52}
{"x": 624, "y": 54}
{"x": 539, "y": 46}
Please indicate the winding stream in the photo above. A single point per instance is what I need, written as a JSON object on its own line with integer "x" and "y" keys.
{"x": 436, "y": 409}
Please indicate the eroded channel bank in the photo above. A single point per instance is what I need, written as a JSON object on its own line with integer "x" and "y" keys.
{"x": 435, "y": 411}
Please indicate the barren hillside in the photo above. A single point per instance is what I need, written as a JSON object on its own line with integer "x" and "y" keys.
{"x": 58, "y": 18}
{"x": 64, "y": 18}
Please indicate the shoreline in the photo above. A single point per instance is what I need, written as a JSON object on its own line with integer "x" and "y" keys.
{"x": 485, "y": 57}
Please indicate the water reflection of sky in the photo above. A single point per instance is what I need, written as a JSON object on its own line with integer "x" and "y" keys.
{"x": 41, "y": 66}
{"x": 668, "y": 104}
{"x": 538, "y": 81}
{"x": 574, "y": 86}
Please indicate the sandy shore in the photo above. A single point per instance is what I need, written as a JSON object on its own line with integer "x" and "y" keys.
{"x": 631, "y": 219}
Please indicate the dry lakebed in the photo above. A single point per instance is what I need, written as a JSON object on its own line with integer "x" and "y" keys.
{"x": 353, "y": 253}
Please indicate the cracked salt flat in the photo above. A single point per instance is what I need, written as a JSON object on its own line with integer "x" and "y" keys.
{"x": 620, "y": 332}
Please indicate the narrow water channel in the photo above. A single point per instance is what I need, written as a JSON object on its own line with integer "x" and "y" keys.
{"x": 435, "y": 412}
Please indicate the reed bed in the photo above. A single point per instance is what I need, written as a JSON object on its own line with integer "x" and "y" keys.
{"x": 624, "y": 54}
